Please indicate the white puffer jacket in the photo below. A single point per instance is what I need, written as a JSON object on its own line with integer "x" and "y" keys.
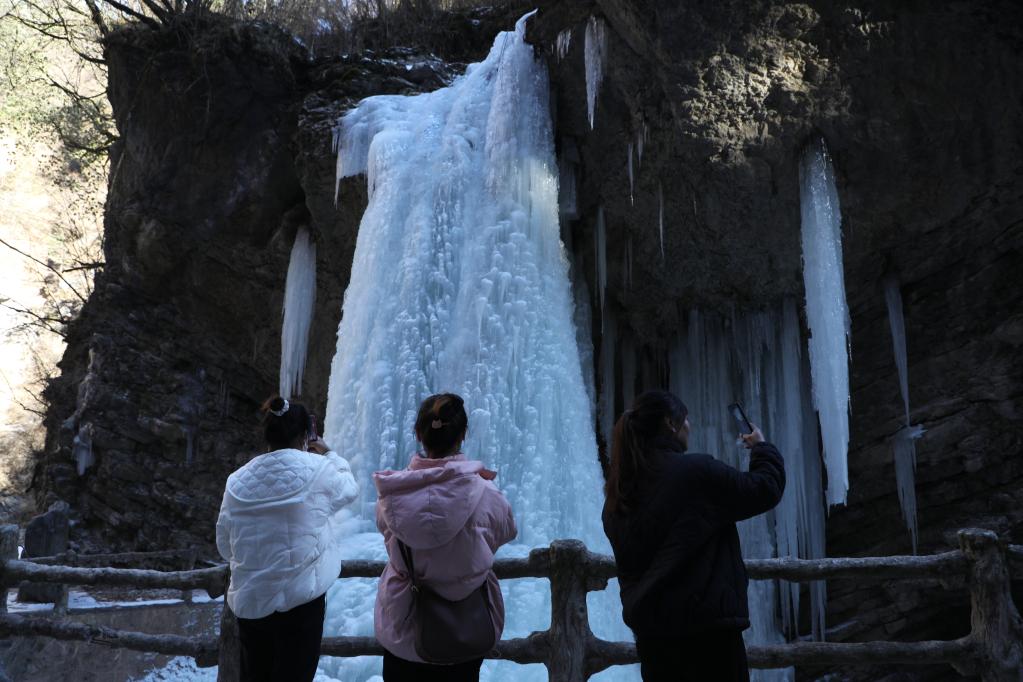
{"x": 278, "y": 529}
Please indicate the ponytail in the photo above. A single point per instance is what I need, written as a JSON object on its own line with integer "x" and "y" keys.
{"x": 441, "y": 424}
{"x": 284, "y": 422}
{"x": 631, "y": 441}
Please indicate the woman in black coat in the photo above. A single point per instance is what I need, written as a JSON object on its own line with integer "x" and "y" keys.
{"x": 670, "y": 517}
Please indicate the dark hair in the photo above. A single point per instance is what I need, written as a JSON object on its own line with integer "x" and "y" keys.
{"x": 637, "y": 428}
{"x": 282, "y": 431}
{"x": 441, "y": 424}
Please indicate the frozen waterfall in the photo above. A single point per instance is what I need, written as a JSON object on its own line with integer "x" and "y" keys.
{"x": 756, "y": 358}
{"x": 299, "y": 298}
{"x": 827, "y": 312}
{"x": 904, "y": 440}
{"x": 460, "y": 283}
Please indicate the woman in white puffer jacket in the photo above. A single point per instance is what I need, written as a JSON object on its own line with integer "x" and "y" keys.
{"x": 278, "y": 529}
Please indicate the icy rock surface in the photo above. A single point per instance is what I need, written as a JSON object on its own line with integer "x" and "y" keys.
{"x": 827, "y": 312}
{"x": 299, "y": 299}
{"x": 460, "y": 283}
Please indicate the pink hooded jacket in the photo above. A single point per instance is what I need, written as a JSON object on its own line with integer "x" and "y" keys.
{"x": 454, "y": 521}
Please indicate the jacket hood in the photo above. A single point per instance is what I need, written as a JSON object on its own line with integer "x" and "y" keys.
{"x": 426, "y": 505}
{"x": 274, "y": 476}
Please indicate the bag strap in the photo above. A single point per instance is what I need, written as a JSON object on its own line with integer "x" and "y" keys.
{"x": 406, "y": 555}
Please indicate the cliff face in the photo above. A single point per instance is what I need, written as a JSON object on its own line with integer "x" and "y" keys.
{"x": 225, "y": 152}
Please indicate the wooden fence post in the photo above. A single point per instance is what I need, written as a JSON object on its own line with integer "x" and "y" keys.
{"x": 995, "y": 623}
{"x": 189, "y": 564}
{"x": 8, "y": 552}
{"x": 570, "y": 633}
{"x": 229, "y": 656}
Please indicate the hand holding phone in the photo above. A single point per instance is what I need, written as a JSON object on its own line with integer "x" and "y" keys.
{"x": 740, "y": 418}
{"x": 748, "y": 433}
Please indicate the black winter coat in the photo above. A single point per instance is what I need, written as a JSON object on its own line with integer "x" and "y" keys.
{"x": 677, "y": 548}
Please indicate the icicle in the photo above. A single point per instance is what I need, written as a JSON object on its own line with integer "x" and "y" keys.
{"x": 563, "y": 41}
{"x": 81, "y": 449}
{"x": 334, "y": 142}
{"x": 299, "y": 298}
{"x": 827, "y": 312}
{"x": 641, "y": 137}
{"x": 608, "y": 351}
{"x": 904, "y": 441}
{"x": 627, "y": 265}
{"x": 904, "y": 446}
{"x": 628, "y": 353}
{"x": 897, "y": 323}
{"x": 660, "y": 216}
{"x": 600, "y": 254}
{"x": 583, "y": 320}
{"x": 595, "y": 54}
{"x": 631, "y": 183}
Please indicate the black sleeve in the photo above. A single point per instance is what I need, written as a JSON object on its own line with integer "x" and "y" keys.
{"x": 740, "y": 494}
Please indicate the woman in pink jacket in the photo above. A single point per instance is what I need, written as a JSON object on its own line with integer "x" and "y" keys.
{"x": 446, "y": 510}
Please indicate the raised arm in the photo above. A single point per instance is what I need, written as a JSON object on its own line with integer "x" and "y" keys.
{"x": 341, "y": 481}
{"x": 744, "y": 494}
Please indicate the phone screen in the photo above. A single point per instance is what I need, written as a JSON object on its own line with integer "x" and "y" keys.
{"x": 740, "y": 418}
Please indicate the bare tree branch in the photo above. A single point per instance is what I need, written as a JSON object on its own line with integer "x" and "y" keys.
{"x": 97, "y": 17}
{"x": 149, "y": 21}
{"x": 44, "y": 321}
{"x": 45, "y": 265}
{"x": 86, "y": 266}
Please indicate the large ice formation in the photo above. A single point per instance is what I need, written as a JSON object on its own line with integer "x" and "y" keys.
{"x": 827, "y": 312}
{"x": 460, "y": 283}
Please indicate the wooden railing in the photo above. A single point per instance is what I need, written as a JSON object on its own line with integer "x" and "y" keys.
{"x": 569, "y": 650}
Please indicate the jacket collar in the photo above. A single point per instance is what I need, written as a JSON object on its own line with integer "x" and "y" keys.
{"x": 421, "y": 462}
{"x": 665, "y": 442}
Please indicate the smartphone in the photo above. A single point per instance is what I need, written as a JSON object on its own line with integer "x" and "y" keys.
{"x": 312, "y": 426}
{"x": 740, "y": 418}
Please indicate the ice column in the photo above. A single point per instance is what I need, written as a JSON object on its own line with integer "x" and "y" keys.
{"x": 595, "y": 52}
{"x": 460, "y": 283}
{"x": 755, "y": 358}
{"x": 564, "y": 40}
{"x": 904, "y": 441}
{"x": 81, "y": 449}
{"x": 299, "y": 298}
{"x": 600, "y": 255}
{"x": 827, "y": 312}
{"x": 584, "y": 335}
{"x": 608, "y": 354}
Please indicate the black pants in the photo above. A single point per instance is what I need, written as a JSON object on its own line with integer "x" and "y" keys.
{"x": 284, "y": 646}
{"x": 399, "y": 670}
{"x": 718, "y": 656}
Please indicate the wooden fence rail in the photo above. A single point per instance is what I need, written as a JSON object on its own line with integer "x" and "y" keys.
{"x": 569, "y": 649}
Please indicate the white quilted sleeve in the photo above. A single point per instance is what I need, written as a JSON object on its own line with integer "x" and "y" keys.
{"x": 341, "y": 483}
{"x": 224, "y": 530}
